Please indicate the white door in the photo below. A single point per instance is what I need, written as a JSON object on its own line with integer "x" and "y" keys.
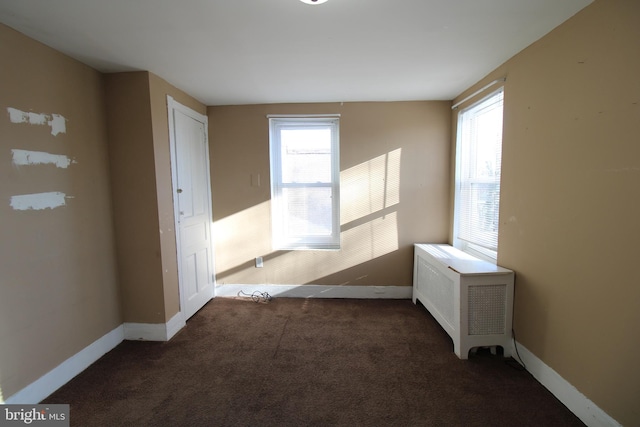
{"x": 192, "y": 203}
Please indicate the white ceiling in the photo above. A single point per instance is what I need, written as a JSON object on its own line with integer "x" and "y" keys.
{"x": 271, "y": 51}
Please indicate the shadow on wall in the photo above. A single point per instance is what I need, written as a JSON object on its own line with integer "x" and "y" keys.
{"x": 369, "y": 198}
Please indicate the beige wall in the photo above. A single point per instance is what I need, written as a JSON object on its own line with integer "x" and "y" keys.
{"x": 58, "y": 283}
{"x": 570, "y": 201}
{"x": 142, "y": 193}
{"x": 394, "y": 192}
{"x": 131, "y": 153}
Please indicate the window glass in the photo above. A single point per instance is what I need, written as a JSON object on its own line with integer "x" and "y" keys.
{"x": 305, "y": 183}
{"x": 478, "y": 171}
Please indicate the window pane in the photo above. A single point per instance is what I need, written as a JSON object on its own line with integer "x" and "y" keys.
{"x": 479, "y": 207}
{"x": 479, "y": 168}
{"x": 306, "y": 155}
{"x": 309, "y": 211}
{"x": 485, "y": 143}
{"x": 305, "y": 182}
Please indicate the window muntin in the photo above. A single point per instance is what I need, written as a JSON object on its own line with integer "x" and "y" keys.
{"x": 305, "y": 183}
{"x": 478, "y": 171}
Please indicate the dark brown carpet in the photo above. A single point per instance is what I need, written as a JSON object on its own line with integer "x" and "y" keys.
{"x": 307, "y": 362}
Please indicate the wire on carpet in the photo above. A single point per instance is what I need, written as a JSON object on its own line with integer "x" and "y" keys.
{"x": 257, "y": 296}
{"x": 513, "y": 362}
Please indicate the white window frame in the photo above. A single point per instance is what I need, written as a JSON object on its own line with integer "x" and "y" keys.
{"x": 471, "y": 247}
{"x": 280, "y": 239}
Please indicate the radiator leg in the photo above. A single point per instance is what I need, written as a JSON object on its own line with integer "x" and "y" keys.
{"x": 461, "y": 351}
{"x": 508, "y": 349}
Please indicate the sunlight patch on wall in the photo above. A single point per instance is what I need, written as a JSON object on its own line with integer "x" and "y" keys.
{"x": 370, "y": 186}
{"x": 370, "y": 240}
{"x": 243, "y": 236}
{"x": 369, "y": 194}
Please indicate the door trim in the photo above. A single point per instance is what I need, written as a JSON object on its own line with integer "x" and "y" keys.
{"x": 172, "y": 106}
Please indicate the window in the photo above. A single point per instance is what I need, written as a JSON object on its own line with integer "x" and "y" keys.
{"x": 305, "y": 177}
{"x": 478, "y": 165}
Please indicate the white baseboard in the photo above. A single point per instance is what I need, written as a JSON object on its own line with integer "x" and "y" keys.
{"x": 60, "y": 375}
{"x": 317, "y": 291}
{"x": 174, "y": 325}
{"x": 578, "y": 403}
{"x": 154, "y": 331}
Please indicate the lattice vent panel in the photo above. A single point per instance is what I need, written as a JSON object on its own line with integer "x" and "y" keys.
{"x": 487, "y": 309}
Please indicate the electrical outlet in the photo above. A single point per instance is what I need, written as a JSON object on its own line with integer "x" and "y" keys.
{"x": 259, "y": 263}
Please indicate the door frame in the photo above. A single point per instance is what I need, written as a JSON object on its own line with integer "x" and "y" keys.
{"x": 172, "y": 106}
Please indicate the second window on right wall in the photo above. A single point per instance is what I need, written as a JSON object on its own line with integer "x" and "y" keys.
{"x": 478, "y": 166}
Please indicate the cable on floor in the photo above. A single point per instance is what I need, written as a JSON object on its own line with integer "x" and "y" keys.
{"x": 257, "y": 296}
{"x": 516, "y": 364}
{"x": 519, "y": 363}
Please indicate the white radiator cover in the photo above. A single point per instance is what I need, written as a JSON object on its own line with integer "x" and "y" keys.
{"x": 471, "y": 299}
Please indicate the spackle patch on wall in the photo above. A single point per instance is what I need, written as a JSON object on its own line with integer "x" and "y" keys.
{"x": 38, "y": 201}
{"x": 26, "y": 157}
{"x": 57, "y": 122}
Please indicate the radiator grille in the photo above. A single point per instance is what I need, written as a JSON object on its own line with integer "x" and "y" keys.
{"x": 487, "y": 309}
{"x": 438, "y": 287}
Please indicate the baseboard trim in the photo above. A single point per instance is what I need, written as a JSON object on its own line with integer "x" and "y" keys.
{"x": 175, "y": 324}
{"x": 578, "y": 403}
{"x": 60, "y": 375}
{"x": 63, "y": 373}
{"x": 154, "y": 331}
{"x": 317, "y": 291}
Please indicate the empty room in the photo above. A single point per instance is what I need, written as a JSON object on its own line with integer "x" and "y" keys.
{"x": 319, "y": 212}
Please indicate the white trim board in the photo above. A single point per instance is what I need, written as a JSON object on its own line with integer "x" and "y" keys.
{"x": 67, "y": 370}
{"x": 154, "y": 331}
{"x": 63, "y": 373}
{"x": 578, "y": 403}
{"x": 317, "y": 291}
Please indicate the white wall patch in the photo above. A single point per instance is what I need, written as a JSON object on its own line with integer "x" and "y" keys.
{"x": 57, "y": 122}
{"x": 26, "y": 157}
{"x": 37, "y": 119}
{"x": 17, "y": 116}
{"x": 38, "y": 201}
